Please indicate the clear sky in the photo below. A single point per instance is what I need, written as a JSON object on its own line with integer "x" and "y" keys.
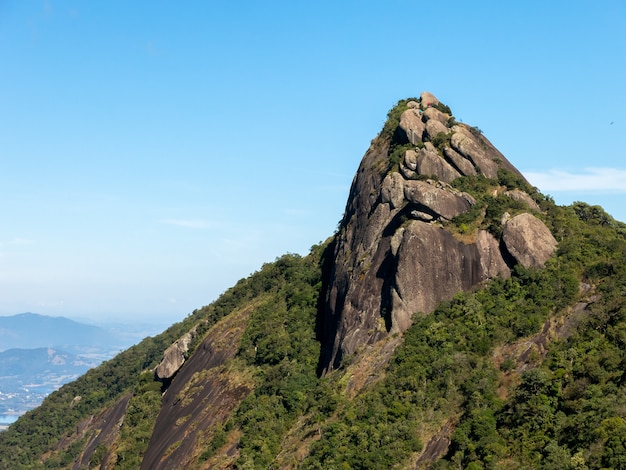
{"x": 153, "y": 153}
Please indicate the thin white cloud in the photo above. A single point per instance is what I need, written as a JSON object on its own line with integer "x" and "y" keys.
{"x": 607, "y": 180}
{"x": 187, "y": 223}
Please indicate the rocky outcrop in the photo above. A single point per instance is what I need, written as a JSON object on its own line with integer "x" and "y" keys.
{"x": 203, "y": 393}
{"x": 528, "y": 240}
{"x": 438, "y": 199}
{"x": 397, "y": 252}
{"x": 412, "y": 126}
{"x": 98, "y": 432}
{"x": 174, "y": 356}
{"x": 431, "y": 265}
{"x": 429, "y": 162}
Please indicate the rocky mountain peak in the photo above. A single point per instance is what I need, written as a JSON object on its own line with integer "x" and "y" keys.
{"x": 434, "y": 209}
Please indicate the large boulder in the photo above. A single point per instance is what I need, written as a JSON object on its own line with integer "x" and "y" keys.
{"x": 410, "y": 160}
{"x": 468, "y": 145}
{"x": 430, "y": 163}
{"x": 174, "y": 357}
{"x": 437, "y": 198}
{"x": 464, "y": 165}
{"x": 436, "y": 115}
{"x": 411, "y": 125}
{"x": 392, "y": 191}
{"x": 473, "y": 145}
{"x": 528, "y": 240}
{"x": 434, "y": 128}
{"x": 524, "y": 198}
{"x": 428, "y": 99}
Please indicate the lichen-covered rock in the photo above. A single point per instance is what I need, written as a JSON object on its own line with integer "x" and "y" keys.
{"x": 203, "y": 394}
{"x": 528, "y": 240}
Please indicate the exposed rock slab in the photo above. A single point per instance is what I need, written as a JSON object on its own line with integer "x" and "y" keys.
{"x": 203, "y": 393}
{"x": 102, "y": 430}
{"x": 422, "y": 282}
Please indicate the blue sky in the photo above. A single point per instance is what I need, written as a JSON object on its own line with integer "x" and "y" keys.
{"x": 152, "y": 154}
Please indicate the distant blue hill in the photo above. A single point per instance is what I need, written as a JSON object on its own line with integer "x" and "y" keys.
{"x": 34, "y": 366}
{"x": 31, "y": 330}
{"x": 39, "y": 353}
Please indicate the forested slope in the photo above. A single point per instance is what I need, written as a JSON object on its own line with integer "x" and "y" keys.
{"x": 522, "y": 370}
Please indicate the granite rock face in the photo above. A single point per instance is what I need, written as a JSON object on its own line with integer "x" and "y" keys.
{"x": 450, "y": 266}
{"x": 397, "y": 252}
{"x": 174, "y": 356}
{"x": 528, "y": 240}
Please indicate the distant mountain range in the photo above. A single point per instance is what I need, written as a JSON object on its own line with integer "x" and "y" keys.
{"x": 35, "y": 367}
{"x": 31, "y": 330}
{"x": 39, "y": 353}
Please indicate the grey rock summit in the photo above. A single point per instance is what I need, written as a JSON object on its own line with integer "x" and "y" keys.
{"x": 411, "y": 237}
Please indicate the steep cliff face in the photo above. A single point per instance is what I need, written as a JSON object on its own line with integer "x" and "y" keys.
{"x": 399, "y": 250}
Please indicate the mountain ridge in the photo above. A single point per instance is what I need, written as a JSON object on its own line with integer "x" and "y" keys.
{"x": 510, "y": 363}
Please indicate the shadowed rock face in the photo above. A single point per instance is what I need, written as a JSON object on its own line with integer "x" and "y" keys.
{"x": 394, "y": 257}
{"x": 101, "y": 430}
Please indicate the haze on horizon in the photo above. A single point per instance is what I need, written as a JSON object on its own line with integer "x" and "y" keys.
{"x": 153, "y": 155}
